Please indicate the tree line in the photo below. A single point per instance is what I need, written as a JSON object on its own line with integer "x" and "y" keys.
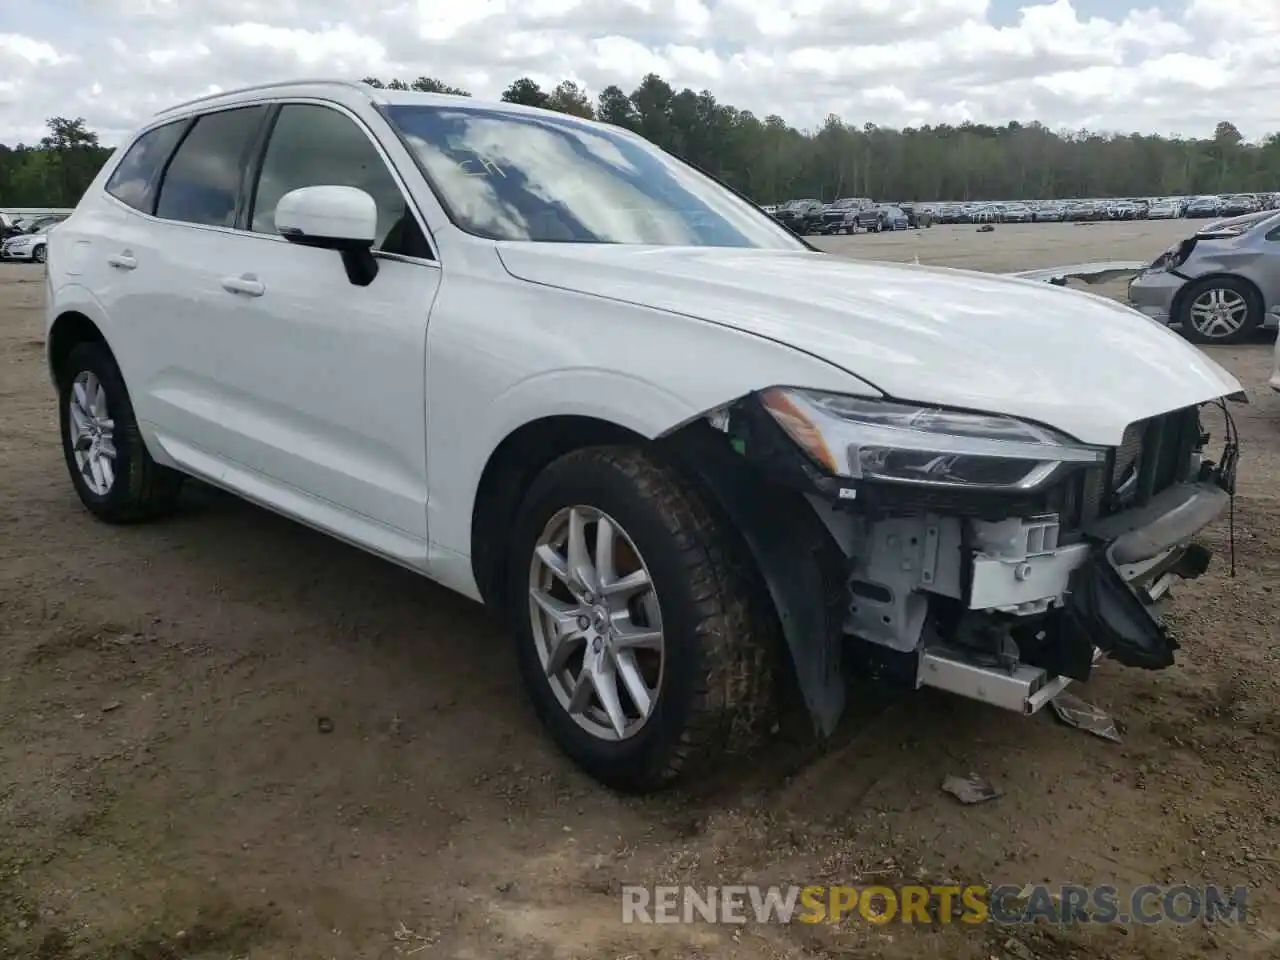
{"x": 770, "y": 160}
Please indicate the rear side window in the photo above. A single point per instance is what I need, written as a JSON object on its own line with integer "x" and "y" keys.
{"x": 134, "y": 181}
{"x": 202, "y": 183}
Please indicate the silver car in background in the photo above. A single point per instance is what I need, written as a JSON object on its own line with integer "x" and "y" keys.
{"x": 1221, "y": 284}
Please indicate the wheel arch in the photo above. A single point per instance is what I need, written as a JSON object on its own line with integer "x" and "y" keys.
{"x": 515, "y": 461}
{"x": 68, "y": 330}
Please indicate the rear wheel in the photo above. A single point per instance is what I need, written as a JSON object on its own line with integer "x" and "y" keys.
{"x": 113, "y": 474}
{"x": 1220, "y": 310}
{"x": 636, "y": 623}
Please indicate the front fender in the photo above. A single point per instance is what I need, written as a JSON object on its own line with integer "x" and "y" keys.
{"x": 503, "y": 353}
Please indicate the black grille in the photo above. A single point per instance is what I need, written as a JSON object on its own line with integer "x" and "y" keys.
{"x": 1153, "y": 455}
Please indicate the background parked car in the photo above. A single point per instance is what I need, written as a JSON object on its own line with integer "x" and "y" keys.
{"x": 28, "y": 247}
{"x": 917, "y": 216}
{"x": 893, "y": 218}
{"x": 1204, "y": 207}
{"x": 1016, "y": 213}
{"x": 840, "y": 217}
{"x": 1220, "y": 285}
{"x": 794, "y": 215}
{"x": 1047, "y": 213}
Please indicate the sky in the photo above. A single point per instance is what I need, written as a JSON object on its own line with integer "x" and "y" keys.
{"x": 1155, "y": 66}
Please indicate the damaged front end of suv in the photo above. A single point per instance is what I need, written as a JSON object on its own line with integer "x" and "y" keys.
{"x": 980, "y": 554}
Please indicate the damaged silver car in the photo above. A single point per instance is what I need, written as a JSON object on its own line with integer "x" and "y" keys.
{"x": 1220, "y": 285}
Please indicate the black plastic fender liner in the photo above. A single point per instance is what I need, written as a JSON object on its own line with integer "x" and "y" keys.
{"x": 802, "y": 566}
{"x": 1101, "y": 606}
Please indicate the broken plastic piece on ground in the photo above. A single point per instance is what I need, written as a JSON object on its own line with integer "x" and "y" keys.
{"x": 1099, "y": 271}
{"x": 1077, "y": 713}
{"x": 970, "y": 789}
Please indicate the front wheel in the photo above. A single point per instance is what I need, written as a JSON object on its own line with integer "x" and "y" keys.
{"x": 1220, "y": 310}
{"x": 39, "y": 254}
{"x": 636, "y": 622}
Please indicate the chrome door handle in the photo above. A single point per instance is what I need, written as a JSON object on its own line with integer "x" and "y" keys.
{"x": 125, "y": 261}
{"x": 248, "y": 285}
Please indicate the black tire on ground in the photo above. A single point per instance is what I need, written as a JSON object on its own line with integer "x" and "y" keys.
{"x": 38, "y": 254}
{"x": 1253, "y": 316}
{"x": 717, "y": 693}
{"x": 142, "y": 489}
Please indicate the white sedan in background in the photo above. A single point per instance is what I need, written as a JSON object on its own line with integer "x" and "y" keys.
{"x": 27, "y": 247}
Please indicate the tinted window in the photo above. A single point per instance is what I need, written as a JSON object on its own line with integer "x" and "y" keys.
{"x": 134, "y": 180}
{"x": 203, "y": 181}
{"x": 549, "y": 178}
{"x": 314, "y": 146}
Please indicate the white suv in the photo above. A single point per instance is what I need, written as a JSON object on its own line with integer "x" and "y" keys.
{"x": 689, "y": 457}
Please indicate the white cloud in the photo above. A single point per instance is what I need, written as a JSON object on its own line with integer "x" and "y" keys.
{"x": 1166, "y": 66}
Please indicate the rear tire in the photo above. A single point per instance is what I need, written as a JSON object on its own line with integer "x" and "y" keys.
{"x": 131, "y": 487}
{"x": 713, "y": 689}
{"x": 1221, "y": 310}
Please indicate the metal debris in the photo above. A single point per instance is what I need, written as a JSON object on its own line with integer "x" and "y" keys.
{"x": 1077, "y": 713}
{"x": 971, "y": 789}
{"x": 1100, "y": 271}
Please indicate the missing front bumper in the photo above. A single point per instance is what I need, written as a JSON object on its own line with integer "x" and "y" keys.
{"x": 1103, "y": 617}
{"x": 1023, "y": 689}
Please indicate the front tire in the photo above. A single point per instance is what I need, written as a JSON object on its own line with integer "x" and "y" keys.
{"x": 39, "y": 254}
{"x": 1220, "y": 310}
{"x": 636, "y": 621}
{"x": 110, "y": 468}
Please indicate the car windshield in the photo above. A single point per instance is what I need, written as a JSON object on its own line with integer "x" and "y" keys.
{"x": 554, "y": 179}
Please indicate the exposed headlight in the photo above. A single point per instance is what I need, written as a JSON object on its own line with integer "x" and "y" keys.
{"x": 909, "y": 444}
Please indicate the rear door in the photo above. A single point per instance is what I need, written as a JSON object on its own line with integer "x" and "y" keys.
{"x": 159, "y": 269}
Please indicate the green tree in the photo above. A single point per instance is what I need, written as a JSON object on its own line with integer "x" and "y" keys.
{"x": 525, "y": 91}
{"x": 570, "y": 98}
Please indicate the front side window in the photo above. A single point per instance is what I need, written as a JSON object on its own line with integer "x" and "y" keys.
{"x": 313, "y": 146}
{"x": 135, "y": 179}
{"x": 553, "y": 179}
{"x": 202, "y": 183}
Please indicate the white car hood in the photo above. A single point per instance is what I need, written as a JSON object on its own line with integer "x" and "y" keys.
{"x": 1076, "y": 362}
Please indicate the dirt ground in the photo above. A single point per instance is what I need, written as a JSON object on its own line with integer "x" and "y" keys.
{"x": 227, "y": 736}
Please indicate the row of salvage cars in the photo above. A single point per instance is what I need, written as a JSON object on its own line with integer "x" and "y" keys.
{"x": 848, "y": 215}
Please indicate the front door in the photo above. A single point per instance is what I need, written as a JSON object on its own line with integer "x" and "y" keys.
{"x": 324, "y": 398}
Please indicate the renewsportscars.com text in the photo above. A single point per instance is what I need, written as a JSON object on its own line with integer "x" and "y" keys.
{"x": 938, "y": 903}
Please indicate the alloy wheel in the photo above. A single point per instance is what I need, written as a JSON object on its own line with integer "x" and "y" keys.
{"x": 597, "y": 624}
{"x": 1219, "y": 312}
{"x": 92, "y": 433}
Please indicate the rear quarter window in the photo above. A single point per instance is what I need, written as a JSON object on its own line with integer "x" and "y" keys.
{"x": 134, "y": 181}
